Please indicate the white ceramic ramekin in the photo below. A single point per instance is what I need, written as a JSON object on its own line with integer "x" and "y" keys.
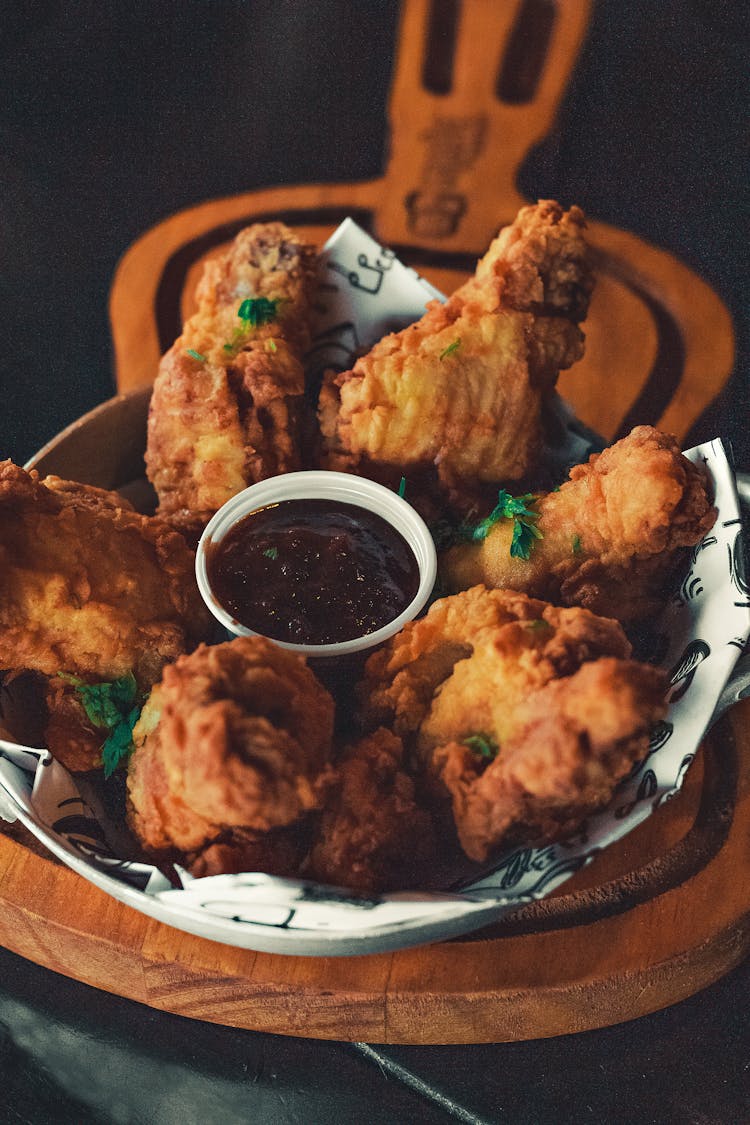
{"x": 322, "y": 485}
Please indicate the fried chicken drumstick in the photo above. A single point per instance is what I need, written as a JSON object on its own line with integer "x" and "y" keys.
{"x": 612, "y": 535}
{"x": 525, "y": 714}
{"x": 227, "y": 408}
{"x": 232, "y": 747}
{"x": 463, "y": 388}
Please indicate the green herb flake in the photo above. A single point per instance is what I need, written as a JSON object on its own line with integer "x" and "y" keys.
{"x": 576, "y": 545}
{"x": 254, "y": 312}
{"x": 483, "y": 745}
{"x": 451, "y": 349}
{"x": 238, "y": 338}
{"x": 518, "y": 509}
{"x": 119, "y": 744}
{"x": 537, "y": 624}
{"x": 402, "y": 487}
{"x": 195, "y": 355}
{"x": 272, "y": 553}
{"x": 110, "y": 707}
{"x": 524, "y": 535}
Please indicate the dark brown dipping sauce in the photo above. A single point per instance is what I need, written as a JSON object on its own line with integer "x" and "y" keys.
{"x": 313, "y": 571}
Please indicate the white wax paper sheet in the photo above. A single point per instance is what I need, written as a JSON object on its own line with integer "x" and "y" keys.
{"x": 364, "y": 291}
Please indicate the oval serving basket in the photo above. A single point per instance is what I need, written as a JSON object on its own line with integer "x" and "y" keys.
{"x": 701, "y": 632}
{"x": 703, "y": 628}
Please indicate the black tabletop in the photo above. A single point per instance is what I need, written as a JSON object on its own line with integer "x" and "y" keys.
{"x": 114, "y": 116}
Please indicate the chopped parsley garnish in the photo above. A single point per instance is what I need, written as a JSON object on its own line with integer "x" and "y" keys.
{"x": 272, "y": 553}
{"x": 195, "y": 355}
{"x": 271, "y": 346}
{"x": 576, "y": 545}
{"x": 119, "y": 743}
{"x": 110, "y": 707}
{"x": 516, "y": 508}
{"x": 254, "y": 312}
{"x": 451, "y": 349}
{"x": 537, "y": 623}
{"x": 483, "y": 745}
{"x": 402, "y": 487}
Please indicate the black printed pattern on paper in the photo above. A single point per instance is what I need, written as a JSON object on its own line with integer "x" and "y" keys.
{"x": 683, "y": 672}
{"x": 369, "y": 276}
{"x": 737, "y": 569}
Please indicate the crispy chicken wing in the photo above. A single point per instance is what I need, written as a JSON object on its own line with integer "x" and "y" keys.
{"x": 478, "y": 688}
{"x": 463, "y": 388}
{"x": 233, "y": 744}
{"x": 88, "y": 586}
{"x": 227, "y": 408}
{"x": 613, "y": 535}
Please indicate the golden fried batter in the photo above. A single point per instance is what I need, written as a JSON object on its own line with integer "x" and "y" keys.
{"x": 465, "y": 688}
{"x": 234, "y": 742}
{"x": 571, "y": 742}
{"x": 462, "y": 389}
{"x": 372, "y": 835}
{"x": 88, "y": 586}
{"x": 228, "y": 400}
{"x": 613, "y": 535}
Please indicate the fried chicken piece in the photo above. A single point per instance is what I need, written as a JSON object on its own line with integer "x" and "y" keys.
{"x": 613, "y": 535}
{"x": 463, "y": 388}
{"x": 233, "y": 743}
{"x": 88, "y": 586}
{"x": 468, "y": 685}
{"x": 571, "y": 742}
{"x": 372, "y": 835}
{"x": 227, "y": 408}
{"x": 480, "y": 650}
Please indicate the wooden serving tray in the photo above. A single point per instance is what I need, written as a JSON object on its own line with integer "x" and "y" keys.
{"x": 657, "y": 916}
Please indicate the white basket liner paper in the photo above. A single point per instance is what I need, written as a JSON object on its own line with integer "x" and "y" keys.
{"x": 365, "y": 291}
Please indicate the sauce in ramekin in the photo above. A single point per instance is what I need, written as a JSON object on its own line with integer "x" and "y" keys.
{"x": 313, "y": 571}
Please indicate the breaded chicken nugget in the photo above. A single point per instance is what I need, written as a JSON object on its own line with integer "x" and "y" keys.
{"x": 234, "y": 742}
{"x": 228, "y": 403}
{"x": 570, "y": 743}
{"x": 467, "y": 685}
{"x": 463, "y": 388}
{"x": 610, "y": 539}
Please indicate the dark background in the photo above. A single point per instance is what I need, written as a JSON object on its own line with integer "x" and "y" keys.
{"x": 112, "y": 117}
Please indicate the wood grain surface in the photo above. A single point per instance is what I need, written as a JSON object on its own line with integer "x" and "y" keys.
{"x": 657, "y": 916}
